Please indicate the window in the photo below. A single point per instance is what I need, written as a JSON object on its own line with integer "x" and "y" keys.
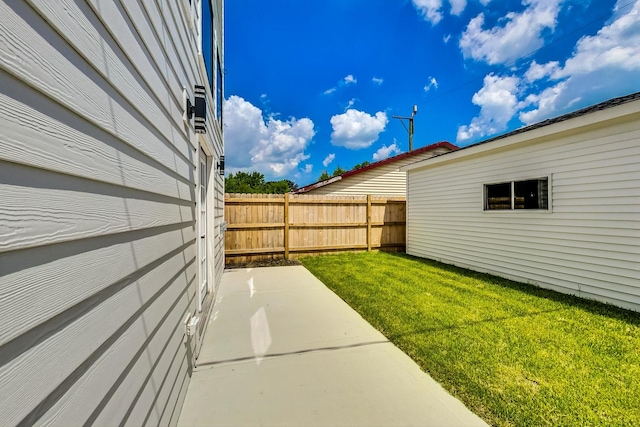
{"x": 219, "y": 92}
{"x": 527, "y": 194}
{"x": 207, "y": 40}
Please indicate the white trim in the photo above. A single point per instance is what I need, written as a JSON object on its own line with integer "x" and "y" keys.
{"x": 578, "y": 124}
{"x": 187, "y": 11}
{"x": 203, "y": 236}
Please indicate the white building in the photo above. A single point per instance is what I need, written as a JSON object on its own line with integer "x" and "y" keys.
{"x": 381, "y": 178}
{"x": 556, "y": 204}
{"x": 111, "y": 205}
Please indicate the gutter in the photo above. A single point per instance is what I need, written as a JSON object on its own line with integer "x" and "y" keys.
{"x": 318, "y": 184}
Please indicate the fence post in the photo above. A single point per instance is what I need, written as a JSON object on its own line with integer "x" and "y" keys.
{"x": 368, "y": 222}
{"x": 286, "y": 226}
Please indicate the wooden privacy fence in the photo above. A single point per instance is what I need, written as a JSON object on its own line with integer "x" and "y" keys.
{"x": 268, "y": 226}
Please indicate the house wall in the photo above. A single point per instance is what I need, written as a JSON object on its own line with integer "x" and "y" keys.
{"x": 588, "y": 245}
{"x": 383, "y": 180}
{"x": 98, "y": 172}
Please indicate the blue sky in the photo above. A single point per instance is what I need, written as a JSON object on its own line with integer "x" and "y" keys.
{"x": 313, "y": 84}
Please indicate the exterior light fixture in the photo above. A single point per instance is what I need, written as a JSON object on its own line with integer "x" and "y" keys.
{"x": 221, "y": 166}
{"x": 199, "y": 110}
{"x": 187, "y": 108}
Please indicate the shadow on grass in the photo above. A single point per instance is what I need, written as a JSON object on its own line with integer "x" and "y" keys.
{"x": 570, "y": 301}
{"x": 393, "y": 337}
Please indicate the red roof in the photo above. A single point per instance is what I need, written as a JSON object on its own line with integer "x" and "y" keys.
{"x": 415, "y": 152}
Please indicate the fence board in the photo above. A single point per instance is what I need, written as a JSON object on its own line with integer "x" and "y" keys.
{"x": 267, "y": 226}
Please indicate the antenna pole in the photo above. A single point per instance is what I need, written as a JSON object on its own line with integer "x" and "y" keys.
{"x": 410, "y": 129}
{"x": 411, "y": 133}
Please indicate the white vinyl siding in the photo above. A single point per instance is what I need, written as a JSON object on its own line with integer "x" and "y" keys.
{"x": 98, "y": 220}
{"x": 384, "y": 180}
{"x": 587, "y": 243}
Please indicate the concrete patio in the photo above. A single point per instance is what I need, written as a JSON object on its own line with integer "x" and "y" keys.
{"x": 283, "y": 350}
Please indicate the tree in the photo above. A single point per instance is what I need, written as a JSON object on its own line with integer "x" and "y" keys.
{"x": 276, "y": 187}
{"x": 338, "y": 171}
{"x": 292, "y": 185}
{"x": 361, "y": 165}
{"x": 253, "y": 182}
{"x": 244, "y": 182}
{"x": 324, "y": 175}
{"x": 280, "y": 187}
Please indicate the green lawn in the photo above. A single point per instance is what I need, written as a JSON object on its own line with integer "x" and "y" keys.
{"x": 515, "y": 354}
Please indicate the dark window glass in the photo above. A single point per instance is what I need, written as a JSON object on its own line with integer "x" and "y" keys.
{"x": 207, "y": 40}
{"x": 219, "y": 92}
{"x": 526, "y": 194}
{"x": 498, "y": 196}
{"x": 529, "y": 194}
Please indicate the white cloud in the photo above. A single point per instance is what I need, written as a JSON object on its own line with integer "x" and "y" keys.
{"x": 539, "y": 71}
{"x": 429, "y": 10}
{"x": 602, "y": 66}
{"x": 520, "y": 35}
{"x": 457, "y": 6}
{"x": 350, "y": 104}
{"x": 377, "y": 80}
{"x": 545, "y": 102}
{"x": 498, "y": 103}
{"x": 308, "y": 168}
{"x": 273, "y": 147}
{"x": 327, "y": 160}
{"x": 346, "y": 81}
{"x": 355, "y": 129}
{"x": 614, "y": 46}
{"x": 446, "y": 38}
{"x": 431, "y": 83}
{"x": 384, "y": 152}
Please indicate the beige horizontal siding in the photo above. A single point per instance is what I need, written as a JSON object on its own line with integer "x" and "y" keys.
{"x": 588, "y": 244}
{"x": 385, "y": 180}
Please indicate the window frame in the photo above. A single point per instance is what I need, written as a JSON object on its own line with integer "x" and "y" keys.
{"x": 512, "y": 182}
{"x": 195, "y": 13}
{"x": 208, "y": 55}
{"x": 219, "y": 88}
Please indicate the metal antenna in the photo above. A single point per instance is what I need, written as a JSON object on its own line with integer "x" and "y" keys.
{"x": 410, "y": 128}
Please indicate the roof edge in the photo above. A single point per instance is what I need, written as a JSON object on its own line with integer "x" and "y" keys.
{"x": 421, "y": 150}
{"x": 401, "y": 156}
{"x": 317, "y": 184}
{"x": 494, "y": 142}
